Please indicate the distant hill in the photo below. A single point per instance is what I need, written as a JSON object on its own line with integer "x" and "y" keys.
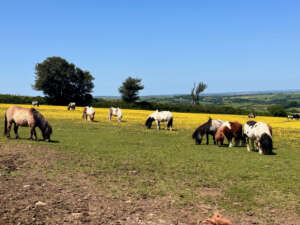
{"x": 290, "y": 99}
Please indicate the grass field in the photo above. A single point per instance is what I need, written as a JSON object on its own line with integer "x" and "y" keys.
{"x": 126, "y": 159}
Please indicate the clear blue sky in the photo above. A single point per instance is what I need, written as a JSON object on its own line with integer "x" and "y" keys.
{"x": 231, "y": 45}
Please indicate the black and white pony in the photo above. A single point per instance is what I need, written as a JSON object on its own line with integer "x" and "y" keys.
{"x": 163, "y": 116}
{"x": 35, "y": 103}
{"x": 210, "y": 127}
{"x": 293, "y": 117}
{"x": 260, "y": 136}
{"x": 115, "y": 112}
{"x": 72, "y": 105}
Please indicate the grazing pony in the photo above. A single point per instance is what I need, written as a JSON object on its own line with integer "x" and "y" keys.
{"x": 26, "y": 117}
{"x": 229, "y": 130}
{"x": 210, "y": 127}
{"x": 72, "y": 105}
{"x": 261, "y": 134}
{"x": 252, "y": 115}
{"x": 88, "y": 113}
{"x": 163, "y": 116}
{"x": 115, "y": 112}
{"x": 35, "y": 103}
{"x": 294, "y": 116}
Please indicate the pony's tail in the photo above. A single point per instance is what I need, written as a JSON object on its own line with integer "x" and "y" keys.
{"x": 5, "y": 124}
{"x": 170, "y": 122}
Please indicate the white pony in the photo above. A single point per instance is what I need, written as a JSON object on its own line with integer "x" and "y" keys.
{"x": 35, "y": 103}
{"x": 163, "y": 116}
{"x": 115, "y": 112}
{"x": 260, "y": 135}
{"x": 88, "y": 113}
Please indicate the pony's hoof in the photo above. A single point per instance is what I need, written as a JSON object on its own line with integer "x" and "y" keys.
{"x": 17, "y": 137}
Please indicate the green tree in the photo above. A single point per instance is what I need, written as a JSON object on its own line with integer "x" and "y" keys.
{"x": 130, "y": 88}
{"x": 196, "y": 90}
{"x": 62, "y": 82}
{"x": 277, "y": 110}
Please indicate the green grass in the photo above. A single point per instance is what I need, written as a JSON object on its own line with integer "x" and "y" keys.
{"x": 133, "y": 161}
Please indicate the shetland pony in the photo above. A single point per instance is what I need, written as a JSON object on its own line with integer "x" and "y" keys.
{"x": 72, "y": 105}
{"x": 88, "y": 113}
{"x": 35, "y": 103}
{"x": 293, "y": 116}
{"x": 115, "y": 112}
{"x": 229, "y": 130}
{"x": 163, "y": 116}
{"x": 251, "y": 115}
{"x": 210, "y": 127}
{"x": 260, "y": 135}
{"x": 26, "y": 117}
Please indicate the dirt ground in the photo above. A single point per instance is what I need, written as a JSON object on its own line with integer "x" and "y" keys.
{"x": 29, "y": 195}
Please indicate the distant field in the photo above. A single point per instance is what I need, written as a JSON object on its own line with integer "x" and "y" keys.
{"x": 126, "y": 160}
{"x": 257, "y": 102}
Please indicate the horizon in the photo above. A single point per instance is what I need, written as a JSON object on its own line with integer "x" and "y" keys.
{"x": 232, "y": 47}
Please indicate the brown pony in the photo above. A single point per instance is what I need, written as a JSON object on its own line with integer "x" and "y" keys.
{"x": 229, "y": 130}
{"x": 25, "y": 117}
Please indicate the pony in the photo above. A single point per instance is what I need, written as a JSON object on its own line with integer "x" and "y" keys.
{"x": 163, "y": 116}
{"x": 210, "y": 127}
{"x": 252, "y": 115}
{"x": 72, "y": 105}
{"x": 88, "y": 113}
{"x": 115, "y": 112}
{"x": 293, "y": 116}
{"x": 260, "y": 135}
{"x": 26, "y": 117}
{"x": 229, "y": 130}
{"x": 35, "y": 103}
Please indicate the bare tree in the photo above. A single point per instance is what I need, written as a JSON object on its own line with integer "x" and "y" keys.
{"x": 196, "y": 90}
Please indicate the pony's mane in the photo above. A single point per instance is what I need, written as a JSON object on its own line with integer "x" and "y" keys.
{"x": 203, "y": 128}
{"x": 251, "y": 123}
{"x": 41, "y": 122}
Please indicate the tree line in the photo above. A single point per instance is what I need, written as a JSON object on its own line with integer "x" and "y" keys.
{"x": 62, "y": 82}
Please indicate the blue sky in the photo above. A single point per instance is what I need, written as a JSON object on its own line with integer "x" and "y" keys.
{"x": 230, "y": 45}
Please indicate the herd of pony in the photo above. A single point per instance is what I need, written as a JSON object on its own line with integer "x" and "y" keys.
{"x": 255, "y": 135}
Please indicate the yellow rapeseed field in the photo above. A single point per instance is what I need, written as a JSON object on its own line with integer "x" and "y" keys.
{"x": 181, "y": 120}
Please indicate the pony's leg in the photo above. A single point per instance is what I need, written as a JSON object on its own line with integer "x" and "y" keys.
{"x": 207, "y": 139}
{"x": 214, "y": 138}
{"x": 157, "y": 124}
{"x": 16, "y": 130}
{"x": 9, "y": 124}
{"x": 253, "y": 145}
{"x": 248, "y": 144}
{"x": 34, "y": 133}
{"x": 230, "y": 142}
{"x": 31, "y": 133}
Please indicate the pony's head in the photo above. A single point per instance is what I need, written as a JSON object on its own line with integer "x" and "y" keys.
{"x": 220, "y": 136}
{"x": 47, "y": 131}
{"x": 92, "y": 116}
{"x": 266, "y": 144}
{"x": 149, "y": 121}
{"x": 200, "y": 131}
{"x": 198, "y": 135}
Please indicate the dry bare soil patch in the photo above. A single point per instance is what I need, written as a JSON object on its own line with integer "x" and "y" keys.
{"x": 33, "y": 192}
